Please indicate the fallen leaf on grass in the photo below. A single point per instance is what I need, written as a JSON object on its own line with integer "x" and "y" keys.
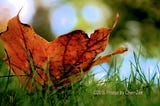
{"x": 38, "y": 62}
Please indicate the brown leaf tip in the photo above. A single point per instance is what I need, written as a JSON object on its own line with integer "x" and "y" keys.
{"x": 120, "y": 50}
{"x": 115, "y": 21}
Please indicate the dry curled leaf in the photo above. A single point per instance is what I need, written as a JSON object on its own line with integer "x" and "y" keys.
{"x": 40, "y": 63}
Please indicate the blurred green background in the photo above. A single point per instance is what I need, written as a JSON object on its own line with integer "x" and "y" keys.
{"x": 138, "y": 25}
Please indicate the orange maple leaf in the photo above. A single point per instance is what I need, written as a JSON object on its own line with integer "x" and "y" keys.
{"x": 33, "y": 59}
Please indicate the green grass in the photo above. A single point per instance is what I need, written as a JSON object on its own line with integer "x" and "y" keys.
{"x": 113, "y": 91}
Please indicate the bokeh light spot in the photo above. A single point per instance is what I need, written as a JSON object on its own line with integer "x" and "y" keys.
{"x": 63, "y": 19}
{"x": 91, "y": 13}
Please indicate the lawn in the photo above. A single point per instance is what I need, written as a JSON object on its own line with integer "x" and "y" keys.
{"x": 135, "y": 90}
